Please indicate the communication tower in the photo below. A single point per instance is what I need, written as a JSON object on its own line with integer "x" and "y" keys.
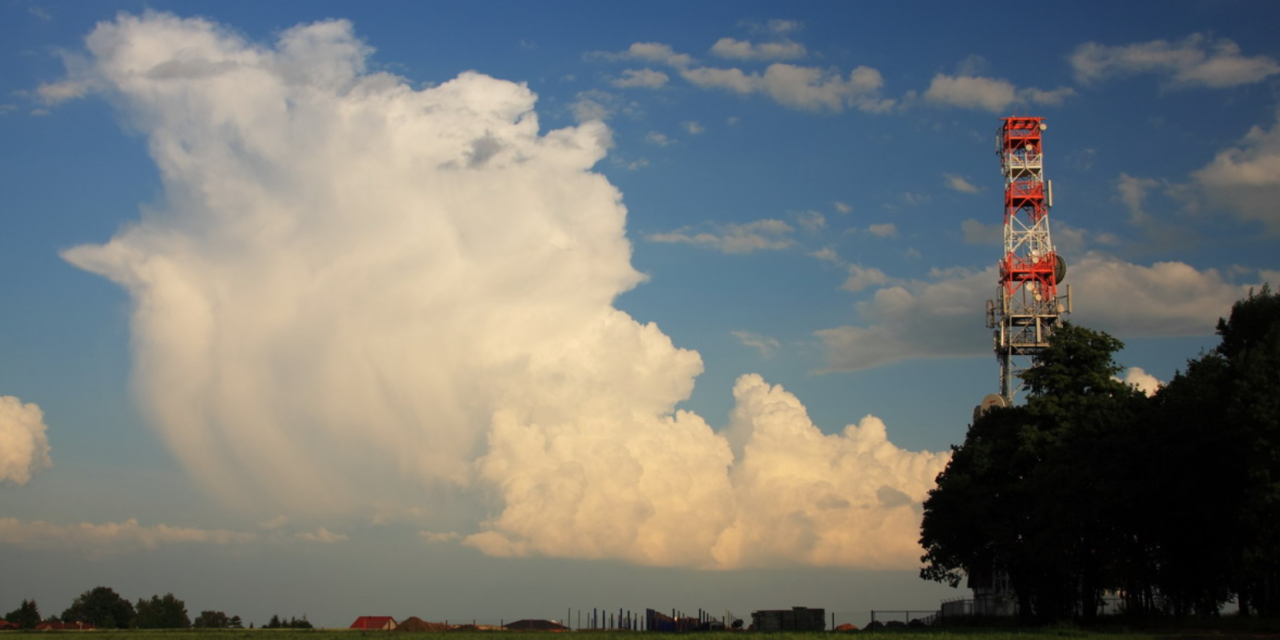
{"x": 1027, "y": 306}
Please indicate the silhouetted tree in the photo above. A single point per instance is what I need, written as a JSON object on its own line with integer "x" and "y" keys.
{"x": 102, "y": 607}
{"x": 212, "y": 620}
{"x": 26, "y": 616}
{"x": 161, "y": 613}
{"x": 1028, "y": 493}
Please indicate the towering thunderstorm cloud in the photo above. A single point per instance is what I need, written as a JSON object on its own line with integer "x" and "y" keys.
{"x": 355, "y": 291}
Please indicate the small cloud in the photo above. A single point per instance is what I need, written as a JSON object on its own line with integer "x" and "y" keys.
{"x": 55, "y": 93}
{"x": 764, "y": 344}
{"x": 826, "y": 254}
{"x": 988, "y": 94}
{"x": 732, "y": 49}
{"x": 1141, "y": 380}
{"x": 767, "y": 235}
{"x": 811, "y": 221}
{"x": 658, "y": 139}
{"x": 39, "y": 13}
{"x": 526, "y": 45}
{"x": 641, "y": 78}
{"x": 433, "y": 536}
{"x": 692, "y": 127}
{"x": 321, "y": 535}
{"x": 861, "y": 278}
{"x": 111, "y": 538}
{"x": 886, "y": 230}
{"x": 842, "y": 207}
{"x": 916, "y": 199}
{"x": 1196, "y": 61}
{"x": 957, "y": 183}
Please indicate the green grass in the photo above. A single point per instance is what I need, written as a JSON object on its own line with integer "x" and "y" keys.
{"x": 1219, "y": 630}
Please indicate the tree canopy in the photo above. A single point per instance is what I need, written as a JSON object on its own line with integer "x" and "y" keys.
{"x": 102, "y": 607}
{"x": 1170, "y": 502}
{"x": 161, "y": 613}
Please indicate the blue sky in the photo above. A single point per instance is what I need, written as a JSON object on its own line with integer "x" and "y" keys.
{"x": 404, "y": 308}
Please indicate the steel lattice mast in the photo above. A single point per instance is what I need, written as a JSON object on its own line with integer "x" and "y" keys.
{"x": 1027, "y": 306}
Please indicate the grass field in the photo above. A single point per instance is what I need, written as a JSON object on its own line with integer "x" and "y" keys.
{"x": 1224, "y": 631}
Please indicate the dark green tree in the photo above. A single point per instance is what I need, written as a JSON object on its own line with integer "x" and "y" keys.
{"x": 26, "y": 616}
{"x": 161, "y": 613}
{"x": 102, "y": 607}
{"x": 1028, "y": 493}
{"x": 1251, "y": 347}
{"x": 211, "y": 620}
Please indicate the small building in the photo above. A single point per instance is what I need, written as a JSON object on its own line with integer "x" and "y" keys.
{"x": 5, "y": 625}
{"x": 793, "y": 619}
{"x": 374, "y": 623}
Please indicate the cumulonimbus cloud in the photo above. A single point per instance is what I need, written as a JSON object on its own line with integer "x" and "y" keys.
{"x": 24, "y": 445}
{"x": 356, "y": 288}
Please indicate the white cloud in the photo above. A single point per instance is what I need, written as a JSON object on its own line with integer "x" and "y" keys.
{"x": 1196, "y": 61}
{"x": 1245, "y": 179}
{"x": 807, "y": 88}
{"x": 773, "y": 490}
{"x": 642, "y": 78}
{"x": 744, "y": 50}
{"x": 861, "y": 277}
{"x": 692, "y": 128}
{"x": 885, "y": 230}
{"x": 300, "y": 254}
{"x": 1163, "y": 299}
{"x": 1133, "y": 193}
{"x": 826, "y": 254}
{"x": 658, "y": 139}
{"x": 320, "y": 535}
{"x": 24, "y": 445}
{"x": 111, "y": 538}
{"x": 958, "y": 183}
{"x": 747, "y": 237}
{"x": 648, "y": 52}
{"x": 943, "y": 315}
{"x": 842, "y": 207}
{"x": 988, "y": 94}
{"x": 1141, "y": 380}
{"x": 433, "y": 536}
{"x": 58, "y": 92}
{"x": 764, "y": 344}
{"x": 811, "y": 221}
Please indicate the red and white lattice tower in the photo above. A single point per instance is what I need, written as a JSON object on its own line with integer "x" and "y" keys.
{"x": 1027, "y": 306}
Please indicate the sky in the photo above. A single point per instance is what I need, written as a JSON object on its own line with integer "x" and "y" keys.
{"x": 499, "y": 310}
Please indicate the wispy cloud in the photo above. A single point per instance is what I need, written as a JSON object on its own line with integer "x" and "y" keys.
{"x": 958, "y": 183}
{"x": 111, "y": 538}
{"x": 764, "y": 344}
{"x": 1195, "y": 61}
{"x": 747, "y": 237}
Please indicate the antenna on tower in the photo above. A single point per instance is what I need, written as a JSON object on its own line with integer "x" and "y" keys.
{"x": 1028, "y": 305}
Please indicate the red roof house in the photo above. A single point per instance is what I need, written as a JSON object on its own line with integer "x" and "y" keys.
{"x": 6, "y": 625}
{"x": 374, "y": 623}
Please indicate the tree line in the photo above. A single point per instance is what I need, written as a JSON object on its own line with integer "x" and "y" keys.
{"x": 103, "y": 608}
{"x": 1168, "y": 503}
